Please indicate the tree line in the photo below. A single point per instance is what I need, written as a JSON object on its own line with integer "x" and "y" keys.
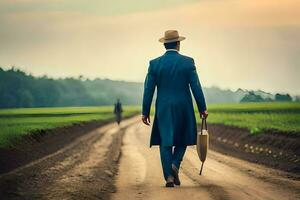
{"x": 18, "y": 89}
{"x": 252, "y": 97}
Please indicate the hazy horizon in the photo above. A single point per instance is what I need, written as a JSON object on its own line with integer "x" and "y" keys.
{"x": 141, "y": 82}
{"x": 235, "y": 44}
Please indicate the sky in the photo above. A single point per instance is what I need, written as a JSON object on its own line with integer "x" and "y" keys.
{"x": 235, "y": 43}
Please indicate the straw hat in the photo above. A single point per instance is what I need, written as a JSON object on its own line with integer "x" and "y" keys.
{"x": 171, "y": 36}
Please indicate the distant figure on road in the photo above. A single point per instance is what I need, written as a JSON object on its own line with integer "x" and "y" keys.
{"x": 174, "y": 124}
{"x": 118, "y": 111}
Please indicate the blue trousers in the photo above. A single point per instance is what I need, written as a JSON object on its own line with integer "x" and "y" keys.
{"x": 169, "y": 156}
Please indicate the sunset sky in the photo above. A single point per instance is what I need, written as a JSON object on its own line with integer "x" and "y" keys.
{"x": 235, "y": 43}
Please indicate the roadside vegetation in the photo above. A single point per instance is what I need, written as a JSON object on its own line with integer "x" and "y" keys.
{"x": 17, "y": 122}
{"x": 257, "y": 117}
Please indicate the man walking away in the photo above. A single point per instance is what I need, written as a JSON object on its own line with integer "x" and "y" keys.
{"x": 174, "y": 126}
{"x": 118, "y": 111}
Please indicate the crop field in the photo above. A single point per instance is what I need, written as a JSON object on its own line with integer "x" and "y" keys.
{"x": 16, "y": 122}
{"x": 257, "y": 117}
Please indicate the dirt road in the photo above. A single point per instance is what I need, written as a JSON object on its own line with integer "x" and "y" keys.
{"x": 83, "y": 169}
{"x": 88, "y": 168}
{"x": 225, "y": 177}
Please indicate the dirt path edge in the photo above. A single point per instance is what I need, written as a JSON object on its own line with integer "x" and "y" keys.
{"x": 272, "y": 149}
{"x": 42, "y": 143}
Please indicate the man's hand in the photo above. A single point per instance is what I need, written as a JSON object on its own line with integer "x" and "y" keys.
{"x": 204, "y": 114}
{"x": 146, "y": 120}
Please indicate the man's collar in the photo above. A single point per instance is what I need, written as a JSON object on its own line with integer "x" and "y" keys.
{"x": 172, "y": 50}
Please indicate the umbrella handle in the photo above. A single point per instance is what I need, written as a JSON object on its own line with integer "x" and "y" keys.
{"x": 201, "y": 168}
{"x": 203, "y": 123}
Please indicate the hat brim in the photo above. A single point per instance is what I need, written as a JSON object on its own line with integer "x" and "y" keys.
{"x": 164, "y": 40}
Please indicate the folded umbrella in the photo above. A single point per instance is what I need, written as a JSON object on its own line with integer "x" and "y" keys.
{"x": 202, "y": 143}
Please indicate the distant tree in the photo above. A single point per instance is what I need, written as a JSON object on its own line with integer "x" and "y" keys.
{"x": 283, "y": 97}
{"x": 26, "y": 100}
{"x": 7, "y": 101}
{"x": 81, "y": 77}
{"x": 252, "y": 97}
{"x": 268, "y": 99}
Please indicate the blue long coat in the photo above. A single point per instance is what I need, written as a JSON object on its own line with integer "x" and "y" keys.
{"x": 174, "y": 122}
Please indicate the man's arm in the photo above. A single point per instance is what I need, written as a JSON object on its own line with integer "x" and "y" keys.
{"x": 197, "y": 90}
{"x": 149, "y": 88}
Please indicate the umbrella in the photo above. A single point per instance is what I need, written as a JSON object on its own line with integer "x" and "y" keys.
{"x": 202, "y": 143}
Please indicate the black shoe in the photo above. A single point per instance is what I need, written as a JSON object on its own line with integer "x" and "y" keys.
{"x": 170, "y": 184}
{"x": 175, "y": 174}
{"x": 170, "y": 181}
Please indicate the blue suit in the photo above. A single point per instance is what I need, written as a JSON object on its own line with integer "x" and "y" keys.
{"x": 174, "y": 123}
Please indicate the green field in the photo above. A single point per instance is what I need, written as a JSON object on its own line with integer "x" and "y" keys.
{"x": 257, "y": 117}
{"x": 16, "y": 122}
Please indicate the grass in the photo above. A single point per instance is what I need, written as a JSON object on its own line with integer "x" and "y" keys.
{"x": 257, "y": 117}
{"x": 16, "y": 122}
